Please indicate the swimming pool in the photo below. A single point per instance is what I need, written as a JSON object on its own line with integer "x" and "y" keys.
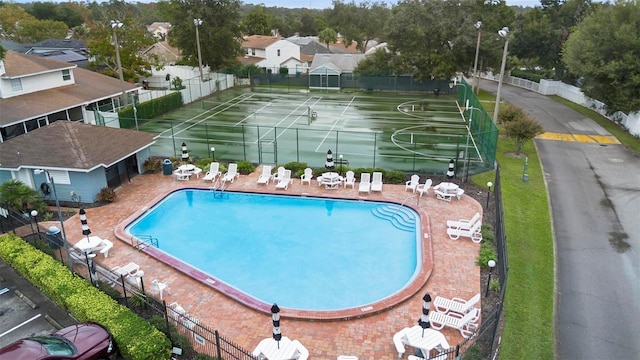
{"x": 300, "y": 252}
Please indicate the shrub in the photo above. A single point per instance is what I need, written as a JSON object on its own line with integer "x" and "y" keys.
{"x": 296, "y": 167}
{"x": 152, "y": 165}
{"x": 510, "y": 113}
{"x": 106, "y": 195}
{"x": 486, "y": 253}
{"x": 135, "y": 337}
{"x": 245, "y": 167}
{"x": 204, "y": 164}
{"x": 473, "y": 353}
{"x": 488, "y": 234}
{"x": 108, "y": 289}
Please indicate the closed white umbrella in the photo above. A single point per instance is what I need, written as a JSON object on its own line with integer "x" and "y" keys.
{"x": 329, "y": 165}
{"x": 275, "y": 316}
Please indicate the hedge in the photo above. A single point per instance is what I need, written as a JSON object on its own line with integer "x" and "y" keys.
{"x": 135, "y": 337}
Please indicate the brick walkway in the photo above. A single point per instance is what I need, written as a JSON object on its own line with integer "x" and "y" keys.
{"x": 453, "y": 270}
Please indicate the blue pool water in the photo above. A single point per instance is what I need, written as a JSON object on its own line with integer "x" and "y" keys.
{"x": 299, "y": 252}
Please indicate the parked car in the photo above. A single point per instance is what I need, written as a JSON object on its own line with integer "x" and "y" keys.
{"x": 84, "y": 341}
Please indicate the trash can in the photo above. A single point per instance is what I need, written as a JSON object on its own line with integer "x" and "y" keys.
{"x": 167, "y": 167}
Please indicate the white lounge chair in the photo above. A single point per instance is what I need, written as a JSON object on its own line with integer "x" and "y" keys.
{"x": 306, "y": 177}
{"x": 424, "y": 188}
{"x": 264, "y": 178}
{"x": 472, "y": 233}
{"x": 213, "y": 173}
{"x": 365, "y": 183}
{"x": 457, "y": 305}
{"x": 466, "y": 323}
{"x": 349, "y": 179}
{"x": 231, "y": 174}
{"x": 285, "y": 181}
{"x": 279, "y": 174}
{"x": 376, "y": 181}
{"x": 464, "y": 223}
{"x": 413, "y": 183}
{"x": 104, "y": 248}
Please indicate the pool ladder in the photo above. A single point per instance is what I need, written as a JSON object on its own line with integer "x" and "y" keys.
{"x": 141, "y": 242}
{"x": 218, "y": 188}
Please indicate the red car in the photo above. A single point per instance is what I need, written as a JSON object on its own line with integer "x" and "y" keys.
{"x": 85, "y": 341}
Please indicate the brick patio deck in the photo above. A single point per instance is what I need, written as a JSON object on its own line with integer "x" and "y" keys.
{"x": 453, "y": 270}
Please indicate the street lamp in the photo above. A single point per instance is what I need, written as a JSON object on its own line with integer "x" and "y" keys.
{"x": 489, "y": 185}
{"x": 34, "y": 214}
{"x": 213, "y": 153}
{"x": 476, "y": 76}
{"x": 197, "y": 23}
{"x": 340, "y": 160}
{"x": 491, "y": 264}
{"x": 504, "y": 33}
{"x": 118, "y": 24}
{"x": 55, "y": 195}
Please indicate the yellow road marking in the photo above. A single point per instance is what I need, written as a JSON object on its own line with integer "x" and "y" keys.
{"x": 595, "y": 139}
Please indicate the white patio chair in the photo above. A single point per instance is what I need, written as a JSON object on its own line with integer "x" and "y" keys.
{"x": 365, "y": 183}
{"x": 413, "y": 183}
{"x": 349, "y": 179}
{"x": 285, "y": 181}
{"x": 104, "y": 248}
{"x": 213, "y": 173}
{"x": 265, "y": 176}
{"x": 231, "y": 174}
{"x": 466, "y": 323}
{"x": 474, "y": 233}
{"x": 464, "y": 223}
{"x": 457, "y": 305}
{"x": 160, "y": 287}
{"x": 424, "y": 188}
{"x": 306, "y": 177}
{"x": 376, "y": 181}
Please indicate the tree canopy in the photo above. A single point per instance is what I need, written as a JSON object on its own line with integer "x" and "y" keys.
{"x": 219, "y": 31}
{"x": 604, "y": 50}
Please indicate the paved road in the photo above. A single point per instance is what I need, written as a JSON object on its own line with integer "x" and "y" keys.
{"x": 595, "y": 199}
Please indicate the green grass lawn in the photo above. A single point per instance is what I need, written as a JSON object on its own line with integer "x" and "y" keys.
{"x": 528, "y": 311}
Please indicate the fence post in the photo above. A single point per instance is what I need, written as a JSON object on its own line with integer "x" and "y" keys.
{"x": 166, "y": 320}
{"x": 219, "y": 353}
{"x": 124, "y": 291}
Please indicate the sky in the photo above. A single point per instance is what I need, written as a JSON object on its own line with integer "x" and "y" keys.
{"x": 327, "y": 4}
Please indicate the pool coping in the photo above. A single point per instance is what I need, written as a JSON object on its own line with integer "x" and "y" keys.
{"x": 399, "y": 297}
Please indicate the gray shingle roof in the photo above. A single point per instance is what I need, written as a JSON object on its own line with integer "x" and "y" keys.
{"x": 67, "y": 145}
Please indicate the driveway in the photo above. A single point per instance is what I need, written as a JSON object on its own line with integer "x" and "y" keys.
{"x": 594, "y": 189}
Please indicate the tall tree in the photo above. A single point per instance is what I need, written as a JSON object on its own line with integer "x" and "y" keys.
{"x": 328, "y": 36}
{"x": 219, "y": 32}
{"x": 11, "y": 16}
{"x": 604, "y": 49}
{"x": 256, "y": 22}
{"x": 359, "y": 23}
{"x": 542, "y": 32}
{"x": 133, "y": 38}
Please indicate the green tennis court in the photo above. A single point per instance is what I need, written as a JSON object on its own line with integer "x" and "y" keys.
{"x": 408, "y": 131}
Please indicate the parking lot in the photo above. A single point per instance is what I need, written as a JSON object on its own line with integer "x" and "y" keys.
{"x": 24, "y": 310}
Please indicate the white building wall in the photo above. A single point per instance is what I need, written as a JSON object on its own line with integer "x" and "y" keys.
{"x": 287, "y": 50}
{"x": 35, "y": 83}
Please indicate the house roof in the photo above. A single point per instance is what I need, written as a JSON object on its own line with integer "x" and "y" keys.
{"x": 60, "y": 44}
{"x": 259, "y": 41}
{"x": 339, "y": 62}
{"x": 17, "y": 64}
{"x": 89, "y": 87}
{"x": 69, "y": 145}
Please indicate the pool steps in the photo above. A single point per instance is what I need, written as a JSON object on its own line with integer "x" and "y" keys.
{"x": 400, "y": 216}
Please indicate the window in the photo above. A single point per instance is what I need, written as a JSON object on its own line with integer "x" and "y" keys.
{"x": 66, "y": 75}
{"x": 253, "y": 52}
{"x": 16, "y": 84}
{"x": 278, "y": 52}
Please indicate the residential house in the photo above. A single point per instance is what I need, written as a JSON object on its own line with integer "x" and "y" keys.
{"x": 45, "y": 108}
{"x": 272, "y": 53}
{"x": 37, "y": 91}
{"x": 80, "y": 158}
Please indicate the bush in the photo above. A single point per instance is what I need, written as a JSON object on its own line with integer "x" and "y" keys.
{"x": 106, "y": 195}
{"x": 152, "y": 165}
{"x": 510, "y": 113}
{"x": 488, "y": 234}
{"x": 108, "y": 289}
{"x": 245, "y": 167}
{"x": 473, "y": 353}
{"x": 486, "y": 253}
{"x": 135, "y": 338}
